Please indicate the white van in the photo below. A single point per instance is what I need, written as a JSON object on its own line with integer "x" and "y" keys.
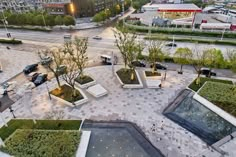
{"x": 106, "y": 59}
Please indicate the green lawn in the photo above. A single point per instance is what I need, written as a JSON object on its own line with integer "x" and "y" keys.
{"x": 125, "y": 76}
{"x": 42, "y": 143}
{"x": 41, "y": 124}
{"x": 196, "y": 87}
{"x": 220, "y": 94}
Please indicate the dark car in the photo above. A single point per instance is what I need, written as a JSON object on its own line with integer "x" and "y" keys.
{"x": 32, "y": 76}
{"x": 160, "y": 66}
{"x": 138, "y": 64}
{"x": 30, "y": 68}
{"x": 207, "y": 72}
{"x": 40, "y": 79}
{"x": 171, "y": 45}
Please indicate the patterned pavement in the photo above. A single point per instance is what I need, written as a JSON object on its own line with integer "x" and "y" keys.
{"x": 141, "y": 106}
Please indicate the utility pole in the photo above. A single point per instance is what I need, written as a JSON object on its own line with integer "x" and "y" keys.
{"x": 5, "y": 23}
{"x": 44, "y": 20}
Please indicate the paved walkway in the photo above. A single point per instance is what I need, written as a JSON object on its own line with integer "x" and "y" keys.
{"x": 141, "y": 106}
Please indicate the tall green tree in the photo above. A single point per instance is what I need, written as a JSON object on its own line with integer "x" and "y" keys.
{"x": 231, "y": 54}
{"x": 155, "y": 53}
{"x": 58, "y": 20}
{"x": 69, "y": 20}
{"x": 182, "y": 56}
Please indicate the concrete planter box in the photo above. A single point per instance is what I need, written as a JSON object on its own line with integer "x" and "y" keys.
{"x": 140, "y": 85}
{"x": 215, "y": 109}
{"x": 152, "y": 81}
{"x": 151, "y": 77}
{"x": 86, "y": 85}
{"x": 77, "y": 103}
{"x": 83, "y": 145}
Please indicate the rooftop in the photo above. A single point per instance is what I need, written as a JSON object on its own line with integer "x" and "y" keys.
{"x": 174, "y": 7}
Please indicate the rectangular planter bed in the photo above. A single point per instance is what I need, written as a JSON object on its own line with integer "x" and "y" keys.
{"x": 137, "y": 84}
{"x": 87, "y": 84}
{"x": 82, "y": 100}
{"x": 152, "y": 81}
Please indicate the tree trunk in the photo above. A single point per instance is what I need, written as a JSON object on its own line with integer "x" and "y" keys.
{"x": 132, "y": 76}
{"x": 198, "y": 81}
{"x": 58, "y": 82}
{"x": 209, "y": 74}
{"x": 181, "y": 68}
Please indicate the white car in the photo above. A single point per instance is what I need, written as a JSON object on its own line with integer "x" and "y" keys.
{"x": 97, "y": 37}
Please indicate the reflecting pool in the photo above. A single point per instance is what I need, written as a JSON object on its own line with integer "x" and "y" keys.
{"x": 195, "y": 117}
{"x": 118, "y": 141}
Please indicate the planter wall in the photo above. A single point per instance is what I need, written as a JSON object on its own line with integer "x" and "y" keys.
{"x": 215, "y": 109}
{"x": 140, "y": 85}
{"x": 86, "y": 85}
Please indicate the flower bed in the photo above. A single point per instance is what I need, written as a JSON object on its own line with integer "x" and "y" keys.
{"x": 27, "y": 142}
{"x": 220, "y": 94}
{"x": 196, "y": 87}
{"x": 153, "y": 80}
{"x": 65, "y": 95}
{"x": 124, "y": 75}
{"x": 85, "y": 81}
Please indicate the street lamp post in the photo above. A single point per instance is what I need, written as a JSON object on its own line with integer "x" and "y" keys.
{"x": 44, "y": 20}
{"x": 49, "y": 95}
{"x": 12, "y": 112}
{"x": 222, "y": 35}
{"x": 5, "y": 24}
{"x": 123, "y": 10}
{"x": 72, "y": 9}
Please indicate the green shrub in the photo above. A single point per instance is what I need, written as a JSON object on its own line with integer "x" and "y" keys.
{"x": 180, "y": 31}
{"x": 196, "y": 87}
{"x": 11, "y": 41}
{"x": 42, "y": 143}
{"x": 41, "y": 124}
{"x": 221, "y": 94}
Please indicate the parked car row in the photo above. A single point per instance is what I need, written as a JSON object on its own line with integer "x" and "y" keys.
{"x": 36, "y": 77}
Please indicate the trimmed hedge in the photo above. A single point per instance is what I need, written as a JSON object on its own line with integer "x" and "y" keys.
{"x": 179, "y": 31}
{"x": 11, "y": 41}
{"x": 83, "y": 80}
{"x": 33, "y": 28}
{"x": 196, "y": 87}
{"x": 28, "y": 143}
{"x": 219, "y": 42}
{"x": 221, "y": 94}
{"x": 41, "y": 124}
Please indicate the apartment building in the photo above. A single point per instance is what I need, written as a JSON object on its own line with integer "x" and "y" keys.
{"x": 15, "y": 5}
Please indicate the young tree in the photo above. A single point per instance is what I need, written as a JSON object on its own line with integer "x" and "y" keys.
{"x": 75, "y": 61}
{"x": 199, "y": 59}
{"x": 125, "y": 41}
{"x": 69, "y": 20}
{"x": 58, "y": 20}
{"x": 182, "y": 56}
{"x": 79, "y": 53}
{"x": 57, "y": 60}
{"x": 155, "y": 53}
{"x": 214, "y": 59}
{"x": 231, "y": 54}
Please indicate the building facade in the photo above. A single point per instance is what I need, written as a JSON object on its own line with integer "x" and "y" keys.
{"x": 15, "y": 5}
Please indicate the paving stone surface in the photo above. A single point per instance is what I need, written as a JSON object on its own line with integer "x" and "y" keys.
{"x": 141, "y": 106}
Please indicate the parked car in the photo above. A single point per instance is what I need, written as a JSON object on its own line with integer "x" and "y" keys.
{"x": 61, "y": 70}
{"x": 171, "y": 44}
{"x": 159, "y": 66}
{"x": 32, "y": 76}
{"x": 46, "y": 60}
{"x": 138, "y": 63}
{"x": 207, "y": 71}
{"x": 30, "y": 68}
{"x": 97, "y": 37}
{"x": 40, "y": 79}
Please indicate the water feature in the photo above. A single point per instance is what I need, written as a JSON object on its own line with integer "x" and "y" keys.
{"x": 195, "y": 117}
{"x": 118, "y": 140}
